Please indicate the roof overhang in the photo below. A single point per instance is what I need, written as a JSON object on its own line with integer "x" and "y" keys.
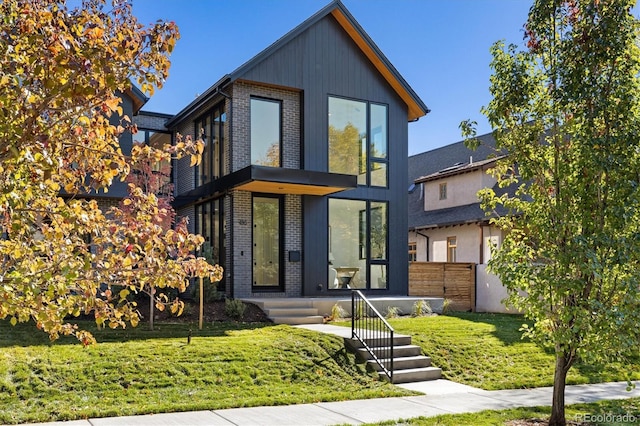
{"x": 272, "y": 180}
{"x": 138, "y": 98}
{"x": 276, "y": 180}
{"x": 415, "y": 106}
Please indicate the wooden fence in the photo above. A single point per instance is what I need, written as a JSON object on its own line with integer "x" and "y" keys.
{"x": 453, "y": 281}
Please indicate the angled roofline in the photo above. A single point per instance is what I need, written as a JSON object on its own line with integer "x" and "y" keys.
{"x": 415, "y": 106}
{"x": 460, "y": 169}
{"x": 198, "y": 101}
{"x": 137, "y": 97}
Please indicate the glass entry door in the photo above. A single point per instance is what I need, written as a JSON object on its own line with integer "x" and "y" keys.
{"x": 266, "y": 242}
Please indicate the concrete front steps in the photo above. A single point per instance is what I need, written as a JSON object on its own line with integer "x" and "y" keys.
{"x": 409, "y": 364}
{"x": 296, "y": 310}
{"x": 289, "y": 311}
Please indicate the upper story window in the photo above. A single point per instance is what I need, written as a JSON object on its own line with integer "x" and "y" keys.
{"x": 443, "y": 191}
{"x": 159, "y": 181}
{"x": 358, "y": 140}
{"x": 266, "y": 132}
{"x": 211, "y": 128}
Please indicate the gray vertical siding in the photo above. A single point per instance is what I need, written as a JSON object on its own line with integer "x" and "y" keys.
{"x": 324, "y": 61}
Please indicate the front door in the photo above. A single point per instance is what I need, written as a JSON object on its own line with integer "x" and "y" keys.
{"x": 267, "y": 251}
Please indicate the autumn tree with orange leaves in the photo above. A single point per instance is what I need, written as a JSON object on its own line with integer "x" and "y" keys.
{"x": 61, "y": 255}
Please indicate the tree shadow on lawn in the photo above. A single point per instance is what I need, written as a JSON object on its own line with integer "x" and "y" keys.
{"x": 506, "y": 327}
{"x": 27, "y": 334}
{"x": 507, "y": 330}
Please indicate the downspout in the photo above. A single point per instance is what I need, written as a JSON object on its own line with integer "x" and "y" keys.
{"x": 427, "y": 245}
{"x": 481, "y": 258}
{"x": 481, "y": 254}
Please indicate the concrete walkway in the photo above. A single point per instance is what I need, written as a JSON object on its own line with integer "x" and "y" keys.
{"x": 440, "y": 397}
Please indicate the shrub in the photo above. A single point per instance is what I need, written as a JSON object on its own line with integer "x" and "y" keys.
{"x": 393, "y": 312}
{"x": 421, "y": 308}
{"x": 234, "y": 308}
{"x": 337, "y": 312}
{"x": 447, "y": 306}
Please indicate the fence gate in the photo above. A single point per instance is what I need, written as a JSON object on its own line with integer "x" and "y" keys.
{"x": 453, "y": 281}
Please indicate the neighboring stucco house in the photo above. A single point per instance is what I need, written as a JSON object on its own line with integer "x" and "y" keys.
{"x": 446, "y": 220}
{"x": 302, "y": 186}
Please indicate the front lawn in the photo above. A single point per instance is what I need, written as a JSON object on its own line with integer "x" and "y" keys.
{"x": 487, "y": 351}
{"x": 136, "y": 371}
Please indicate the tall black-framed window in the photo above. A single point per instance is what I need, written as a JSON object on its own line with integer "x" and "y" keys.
{"x": 211, "y": 128}
{"x": 163, "y": 184}
{"x": 266, "y": 132}
{"x": 358, "y": 244}
{"x": 210, "y": 223}
{"x": 358, "y": 140}
{"x": 267, "y": 242}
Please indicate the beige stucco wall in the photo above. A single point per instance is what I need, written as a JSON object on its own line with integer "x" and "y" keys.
{"x": 461, "y": 190}
{"x": 490, "y": 293}
{"x": 421, "y": 245}
{"x": 468, "y": 243}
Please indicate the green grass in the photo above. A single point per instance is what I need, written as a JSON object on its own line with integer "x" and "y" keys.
{"x": 603, "y": 410}
{"x": 487, "y": 351}
{"x": 136, "y": 371}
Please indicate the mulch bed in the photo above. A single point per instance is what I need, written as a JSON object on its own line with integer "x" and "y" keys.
{"x": 213, "y": 312}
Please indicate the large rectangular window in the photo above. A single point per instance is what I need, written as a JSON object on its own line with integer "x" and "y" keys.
{"x": 211, "y": 129}
{"x": 159, "y": 181}
{"x": 358, "y": 140}
{"x": 378, "y": 146}
{"x": 267, "y": 249}
{"x": 358, "y": 244}
{"x": 347, "y": 137}
{"x": 266, "y": 131}
{"x": 211, "y": 225}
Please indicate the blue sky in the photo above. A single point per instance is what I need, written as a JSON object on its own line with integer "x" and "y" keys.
{"x": 441, "y": 47}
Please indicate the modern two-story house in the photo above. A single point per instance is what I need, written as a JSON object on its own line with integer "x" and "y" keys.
{"x": 302, "y": 186}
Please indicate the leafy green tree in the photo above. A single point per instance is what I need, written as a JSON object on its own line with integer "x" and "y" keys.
{"x": 61, "y": 255}
{"x": 566, "y": 113}
{"x": 344, "y": 149}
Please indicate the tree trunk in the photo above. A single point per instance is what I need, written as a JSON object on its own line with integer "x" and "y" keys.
{"x": 152, "y": 306}
{"x": 559, "y": 380}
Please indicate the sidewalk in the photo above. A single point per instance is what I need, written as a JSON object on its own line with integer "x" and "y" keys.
{"x": 440, "y": 397}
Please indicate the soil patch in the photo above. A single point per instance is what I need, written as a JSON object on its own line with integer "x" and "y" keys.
{"x": 212, "y": 312}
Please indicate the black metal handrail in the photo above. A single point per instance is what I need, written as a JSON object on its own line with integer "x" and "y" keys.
{"x": 372, "y": 331}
